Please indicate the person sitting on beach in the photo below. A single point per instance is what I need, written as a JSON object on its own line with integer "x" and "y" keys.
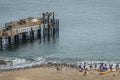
{"x": 80, "y": 66}
{"x": 58, "y": 69}
{"x": 101, "y": 67}
{"x": 86, "y": 72}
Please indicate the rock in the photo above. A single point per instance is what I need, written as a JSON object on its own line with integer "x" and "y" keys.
{"x": 3, "y": 62}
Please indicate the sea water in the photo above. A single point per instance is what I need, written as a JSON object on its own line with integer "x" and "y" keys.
{"x": 89, "y": 31}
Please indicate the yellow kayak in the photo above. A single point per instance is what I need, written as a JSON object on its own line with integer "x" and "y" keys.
{"x": 103, "y": 72}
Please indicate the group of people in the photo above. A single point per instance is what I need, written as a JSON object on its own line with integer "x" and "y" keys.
{"x": 105, "y": 67}
{"x": 101, "y": 66}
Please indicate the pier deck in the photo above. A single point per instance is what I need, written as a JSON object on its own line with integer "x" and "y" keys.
{"x": 13, "y": 28}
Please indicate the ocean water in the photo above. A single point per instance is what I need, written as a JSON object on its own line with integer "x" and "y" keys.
{"x": 89, "y": 31}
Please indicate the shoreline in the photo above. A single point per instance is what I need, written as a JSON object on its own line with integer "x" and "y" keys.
{"x": 56, "y": 71}
{"x": 47, "y": 64}
{"x": 44, "y": 65}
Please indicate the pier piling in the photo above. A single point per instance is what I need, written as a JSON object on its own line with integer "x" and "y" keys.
{"x": 39, "y": 32}
{"x": 31, "y": 34}
{"x": 24, "y": 37}
{"x": 43, "y": 23}
{"x": 15, "y": 39}
{"x": 9, "y": 41}
{"x": 1, "y": 42}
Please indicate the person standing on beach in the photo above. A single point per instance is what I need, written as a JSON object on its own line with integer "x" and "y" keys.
{"x": 84, "y": 65}
{"x": 95, "y": 66}
{"x": 111, "y": 66}
{"x": 101, "y": 66}
{"x": 117, "y": 67}
{"x": 106, "y": 68}
{"x": 80, "y": 68}
{"x": 91, "y": 67}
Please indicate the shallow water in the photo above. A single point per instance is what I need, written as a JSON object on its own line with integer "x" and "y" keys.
{"x": 89, "y": 31}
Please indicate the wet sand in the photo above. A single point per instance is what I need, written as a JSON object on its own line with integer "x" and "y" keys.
{"x": 51, "y": 73}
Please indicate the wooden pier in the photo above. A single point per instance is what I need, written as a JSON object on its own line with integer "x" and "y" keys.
{"x": 22, "y": 30}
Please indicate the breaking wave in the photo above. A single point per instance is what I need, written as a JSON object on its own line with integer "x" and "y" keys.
{"x": 16, "y": 63}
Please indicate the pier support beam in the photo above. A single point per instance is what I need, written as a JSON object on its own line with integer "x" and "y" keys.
{"x": 48, "y": 23}
{"x": 15, "y": 39}
{"x": 31, "y": 34}
{"x": 43, "y": 24}
{"x": 39, "y": 32}
{"x": 53, "y": 26}
{"x": 57, "y": 25}
{"x": 24, "y": 37}
{"x": 1, "y": 43}
{"x": 9, "y": 41}
{"x": 53, "y": 23}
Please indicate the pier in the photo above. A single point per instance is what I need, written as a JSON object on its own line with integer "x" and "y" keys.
{"x": 20, "y": 31}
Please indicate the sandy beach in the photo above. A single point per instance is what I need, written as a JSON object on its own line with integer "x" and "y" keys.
{"x": 51, "y": 73}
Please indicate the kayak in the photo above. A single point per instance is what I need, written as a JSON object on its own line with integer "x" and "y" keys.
{"x": 103, "y": 72}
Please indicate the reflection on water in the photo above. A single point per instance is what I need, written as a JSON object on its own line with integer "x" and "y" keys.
{"x": 42, "y": 40}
